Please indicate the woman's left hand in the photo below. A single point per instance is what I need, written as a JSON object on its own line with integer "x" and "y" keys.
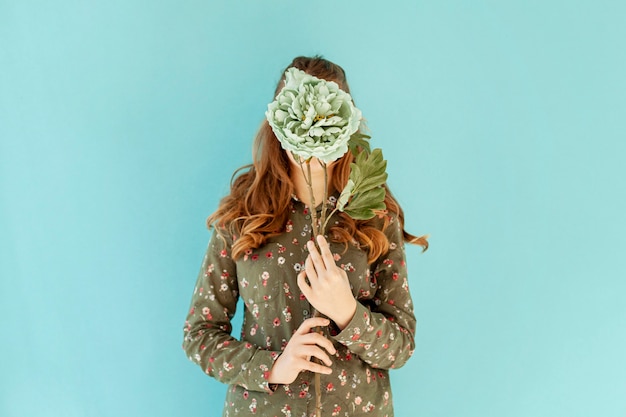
{"x": 328, "y": 289}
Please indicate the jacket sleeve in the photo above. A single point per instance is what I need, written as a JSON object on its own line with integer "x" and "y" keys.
{"x": 382, "y": 332}
{"x": 207, "y": 333}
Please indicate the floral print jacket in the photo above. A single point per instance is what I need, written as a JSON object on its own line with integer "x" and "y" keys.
{"x": 379, "y": 337}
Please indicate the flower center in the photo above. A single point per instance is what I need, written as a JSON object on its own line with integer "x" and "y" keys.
{"x": 319, "y": 117}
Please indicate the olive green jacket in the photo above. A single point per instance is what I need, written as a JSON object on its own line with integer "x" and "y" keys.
{"x": 379, "y": 337}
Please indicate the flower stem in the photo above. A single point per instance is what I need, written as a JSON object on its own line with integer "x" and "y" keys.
{"x": 312, "y": 208}
{"x": 323, "y": 218}
{"x": 309, "y": 181}
{"x": 328, "y": 218}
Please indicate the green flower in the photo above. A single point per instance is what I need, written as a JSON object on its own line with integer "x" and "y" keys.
{"x": 313, "y": 117}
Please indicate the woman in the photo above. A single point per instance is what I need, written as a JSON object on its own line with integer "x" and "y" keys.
{"x": 263, "y": 251}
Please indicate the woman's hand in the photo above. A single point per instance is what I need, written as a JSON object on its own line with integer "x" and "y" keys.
{"x": 296, "y": 357}
{"x": 328, "y": 289}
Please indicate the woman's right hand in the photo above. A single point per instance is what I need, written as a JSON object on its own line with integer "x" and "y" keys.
{"x": 303, "y": 345}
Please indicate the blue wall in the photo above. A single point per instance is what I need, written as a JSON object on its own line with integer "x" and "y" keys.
{"x": 122, "y": 121}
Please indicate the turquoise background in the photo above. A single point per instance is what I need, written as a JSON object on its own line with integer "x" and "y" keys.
{"x": 503, "y": 122}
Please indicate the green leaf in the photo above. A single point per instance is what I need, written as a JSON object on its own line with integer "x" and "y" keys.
{"x": 357, "y": 140}
{"x": 345, "y": 195}
{"x": 369, "y": 171}
{"x": 364, "y": 193}
{"x": 363, "y": 205}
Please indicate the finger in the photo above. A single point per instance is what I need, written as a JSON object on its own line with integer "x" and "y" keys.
{"x": 314, "y": 338}
{"x": 326, "y": 254}
{"x": 315, "y": 367}
{"x": 315, "y": 256}
{"x": 303, "y": 285}
{"x": 311, "y": 269}
{"x": 311, "y": 351}
{"x": 308, "y": 324}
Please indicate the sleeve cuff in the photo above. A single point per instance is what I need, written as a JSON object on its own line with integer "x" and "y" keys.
{"x": 359, "y": 324}
{"x": 259, "y": 370}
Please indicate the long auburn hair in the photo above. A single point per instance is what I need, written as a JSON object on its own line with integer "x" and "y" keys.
{"x": 258, "y": 205}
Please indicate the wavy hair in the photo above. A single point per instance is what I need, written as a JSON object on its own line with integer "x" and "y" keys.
{"x": 258, "y": 205}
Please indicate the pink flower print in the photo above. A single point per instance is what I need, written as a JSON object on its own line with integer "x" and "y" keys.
{"x": 330, "y": 387}
{"x": 223, "y": 253}
{"x": 336, "y": 410}
{"x": 287, "y": 314}
{"x": 206, "y": 312}
{"x": 295, "y": 242}
{"x": 394, "y": 276}
{"x": 245, "y": 395}
{"x": 368, "y": 375}
{"x": 228, "y": 366}
{"x": 209, "y": 270}
{"x": 357, "y": 334}
{"x": 403, "y": 263}
{"x": 289, "y": 226}
{"x": 252, "y": 406}
{"x": 336, "y": 257}
{"x": 247, "y": 254}
{"x": 302, "y": 394}
{"x": 281, "y": 248}
{"x": 302, "y": 297}
{"x": 244, "y": 283}
{"x": 276, "y": 322}
{"x": 225, "y": 275}
{"x": 388, "y": 262}
{"x": 286, "y": 410}
{"x": 264, "y": 277}
{"x": 255, "y": 257}
{"x": 379, "y": 333}
{"x": 343, "y": 377}
{"x": 287, "y": 290}
{"x": 393, "y": 245}
{"x": 391, "y": 302}
{"x": 255, "y": 311}
{"x": 369, "y": 407}
{"x": 306, "y": 210}
{"x": 192, "y": 310}
{"x": 357, "y": 400}
{"x": 253, "y": 329}
{"x": 269, "y": 255}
